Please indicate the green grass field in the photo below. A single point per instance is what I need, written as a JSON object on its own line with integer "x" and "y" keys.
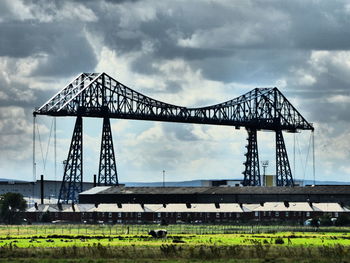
{"x": 74, "y": 243}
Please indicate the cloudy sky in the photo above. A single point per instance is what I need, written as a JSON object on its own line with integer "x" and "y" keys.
{"x": 190, "y": 53}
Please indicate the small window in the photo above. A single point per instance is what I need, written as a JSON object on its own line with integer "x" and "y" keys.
{"x": 138, "y": 215}
{"x": 159, "y": 215}
{"x": 110, "y": 215}
{"x": 119, "y": 214}
{"x": 336, "y": 214}
{"x": 277, "y": 214}
{"x": 308, "y": 214}
{"x": 178, "y": 215}
{"x": 256, "y": 214}
{"x": 238, "y": 215}
{"x": 217, "y": 215}
{"x": 287, "y": 214}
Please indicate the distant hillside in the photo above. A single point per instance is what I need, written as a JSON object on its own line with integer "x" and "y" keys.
{"x": 194, "y": 183}
{"x": 11, "y": 180}
{"x": 311, "y": 182}
{"x": 197, "y": 183}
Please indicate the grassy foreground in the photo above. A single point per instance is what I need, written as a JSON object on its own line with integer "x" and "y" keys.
{"x": 178, "y": 253}
{"x": 68, "y": 246}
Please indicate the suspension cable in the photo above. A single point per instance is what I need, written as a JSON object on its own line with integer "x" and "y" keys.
{"x": 307, "y": 156}
{"x": 44, "y": 159}
{"x": 40, "y": 144}
{"x": 304, "y": 164}
{"x": 313, "y": 156}
{"x": 34, "y": 164}
{"x": 55, "y": 153}
{"x": 48, "y": 145}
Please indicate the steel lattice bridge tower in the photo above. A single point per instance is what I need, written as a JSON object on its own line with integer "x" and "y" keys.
{"x": 99, "y": 95}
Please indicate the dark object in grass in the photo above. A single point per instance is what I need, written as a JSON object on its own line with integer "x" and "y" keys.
{"x": 178, "y": 241}
{"x": 279, "y": 241}
{"x": 158, "y": 233}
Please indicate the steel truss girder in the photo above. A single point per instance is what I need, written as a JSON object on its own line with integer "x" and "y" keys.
{"x": 72, "y": 183}
{"x": 102, "y": 96}
{"x": 107, "y": 172}
{"x": 252, "y": 170}
{"x": 283, "y": 172}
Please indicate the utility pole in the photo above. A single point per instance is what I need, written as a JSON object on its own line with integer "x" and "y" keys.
{"x": 264, "y": 165}
{"x": 163, "y": 178}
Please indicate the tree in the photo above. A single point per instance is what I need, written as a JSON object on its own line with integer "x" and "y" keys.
{"x": 342, "y": 220}
{"x": 325, "y": 220}
{"x": 315, "y": 222}
{"x": 11, "y": 207}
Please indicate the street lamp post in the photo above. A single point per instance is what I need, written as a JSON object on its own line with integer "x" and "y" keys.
{"x": 264, "y": 165}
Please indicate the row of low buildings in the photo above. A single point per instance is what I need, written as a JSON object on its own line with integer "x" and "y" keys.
{"x": 177, "y": 213}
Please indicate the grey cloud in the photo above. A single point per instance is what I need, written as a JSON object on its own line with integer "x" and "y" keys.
{"x": 259, "y": 67}
{"x": 24, "y": 39}
{"x": 173, "y": 87}
{"x": 66, "y": 49}
{"x": 73, "y": 54}
{"x": 181, "y": 132}
{"x": 315, "y": 99}
{"x": 232, "y": 56}
{"x": 19, "y": 95}
{"x": 61, "y": 46}
{"x": 319, "y": 25}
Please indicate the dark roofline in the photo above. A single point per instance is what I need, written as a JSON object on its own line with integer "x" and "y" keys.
{"x": 248, "y": 194}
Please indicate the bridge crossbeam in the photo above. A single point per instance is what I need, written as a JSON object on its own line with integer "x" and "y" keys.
{"x": 98, "y": 95}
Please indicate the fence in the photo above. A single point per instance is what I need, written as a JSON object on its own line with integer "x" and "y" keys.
{"x": 143, "y": 229}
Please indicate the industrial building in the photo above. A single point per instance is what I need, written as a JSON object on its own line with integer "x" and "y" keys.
{"x": 32, "y": 190}
{"x": 244, "y": 195}
{"x": 183, "y": 213}
{"x": 136, "y": 205}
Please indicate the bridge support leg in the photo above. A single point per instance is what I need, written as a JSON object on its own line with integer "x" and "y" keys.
{"x": 283, "y": 171}
{"x": 107, "y": 172}
{"x": 72, "y": 183}
{"x": 252, "y": 170}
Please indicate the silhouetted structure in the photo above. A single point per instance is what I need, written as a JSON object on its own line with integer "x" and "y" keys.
{"x": 99, "y": 95}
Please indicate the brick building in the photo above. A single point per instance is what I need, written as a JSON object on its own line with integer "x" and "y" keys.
{"x": 179, "y": 213}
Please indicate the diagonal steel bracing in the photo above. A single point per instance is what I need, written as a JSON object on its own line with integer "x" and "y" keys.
{"x": 72, "y": 183}
{"x": 99, "y": 95}
{"x": 107, "y": 172}
{"x": 252, "y": 170}
{"x": 283, "y": 171}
